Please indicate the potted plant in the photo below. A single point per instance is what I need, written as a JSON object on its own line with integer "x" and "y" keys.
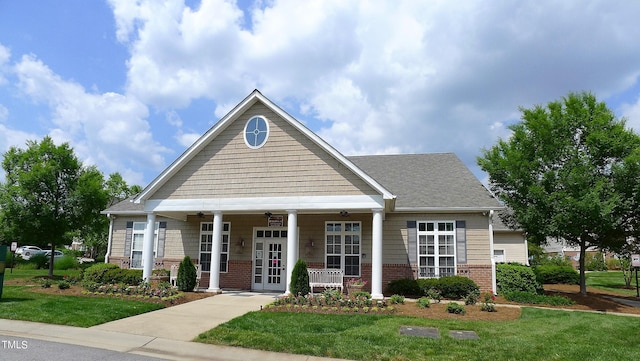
{"x": 355, "y": 285}
{"x": 160, "y": 275}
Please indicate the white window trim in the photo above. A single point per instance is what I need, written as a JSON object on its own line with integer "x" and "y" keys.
{"x": 226, "y": 239}
{"x": 142, "y": 232}
{"x": 342, "y": 233}
{"x": 266, "y": 137}
{"x": 504, "y": 255}
{"x": 435, "y": 233}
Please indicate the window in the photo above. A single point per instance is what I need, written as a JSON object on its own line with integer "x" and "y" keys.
{"x": 498, "y": 255}
{"x": 206, "y": 244}
{"x": 256, "y": 132}
{"x": 343, "y": 242}
{"x": 137, "y": 242}
{"x": 436, "y": 249}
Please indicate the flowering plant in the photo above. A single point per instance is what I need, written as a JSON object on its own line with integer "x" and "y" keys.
{"x": 489, "y": 304}
{"x": 356, "y": 282}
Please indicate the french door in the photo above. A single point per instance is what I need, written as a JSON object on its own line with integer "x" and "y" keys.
{"x": 269, "y": 260}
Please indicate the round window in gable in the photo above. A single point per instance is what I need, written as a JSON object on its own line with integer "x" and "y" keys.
{"x": 256, "y": 132}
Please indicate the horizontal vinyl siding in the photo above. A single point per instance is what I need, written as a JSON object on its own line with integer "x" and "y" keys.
{"x": 513, "y": 246}
{"x": 289, "y": 164}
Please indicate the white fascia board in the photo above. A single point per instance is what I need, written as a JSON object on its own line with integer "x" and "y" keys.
{"x": 303, "y": 203}
{"x": 446, "y": 209}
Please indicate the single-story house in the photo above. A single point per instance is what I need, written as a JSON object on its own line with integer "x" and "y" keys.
{"x": 259, "y": 190}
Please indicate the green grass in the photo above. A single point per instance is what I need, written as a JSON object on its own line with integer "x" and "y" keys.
{"x": 610, "y": 281}
{"x": 19, "y": 303}
{"x": 537, "y": 335}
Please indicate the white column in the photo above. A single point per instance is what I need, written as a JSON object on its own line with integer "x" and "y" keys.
{"x": 376, "y": 255}
{"x": 147, "y": 247}
{"x": 292, "y": 245}
{"x": 494, "y": 287}
{"x": 214, "y": 273}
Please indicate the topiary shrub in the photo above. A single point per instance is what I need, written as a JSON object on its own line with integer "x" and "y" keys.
{"x": 187, "y": 275}
{"x": 300, "y": 279}
{"x": 557, "y": 275}
{"x": 404, "y": 287}
{"x": 95, "y": 273}
{"x": 456, "y": 287}
{"x": 516, "y": 277}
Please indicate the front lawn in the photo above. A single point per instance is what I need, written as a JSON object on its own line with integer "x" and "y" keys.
{"x": 612, "y": 281}
{"x": 20, "y": 302}
{"x": 537, "y": 335}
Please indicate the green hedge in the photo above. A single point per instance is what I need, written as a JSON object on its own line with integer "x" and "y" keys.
{"x": 404, "y": 287}
{"x": 557, "y": 275}
{"x": 511, "y": 277}
{"x": 451, "y": 287}
{"x": 536, "y": 299}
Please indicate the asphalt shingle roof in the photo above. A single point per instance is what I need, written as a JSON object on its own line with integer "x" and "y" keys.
{"x": 427, "y": 180}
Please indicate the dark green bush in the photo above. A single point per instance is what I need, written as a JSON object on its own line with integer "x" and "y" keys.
{"x": 63, "y": 285}
{"x": 40, "y": 260}
{"x": 404, "y": 287}
{"x": 453, "y": 307}
{"x": 130, "y": 277}
{"x": 557, "y": 275}
{"x": 535, "y": 299}
{"x": 427, "y": 284}
{"x": 516, "y": 277}
{"x": 65, "y": 263}
{"x": 300, "y": 279}
{"x": 95, "y": 273}
{"x": 187, "y": 275}
{"x": 456, "y": 287}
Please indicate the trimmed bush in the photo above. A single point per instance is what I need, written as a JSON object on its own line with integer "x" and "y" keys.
{"x": 427, "y": 284}
{"x": 512, "y": 277}
{"x": 456, "y": 287}
{"x": 130, "y": 277}
{"x": 300, "y": 279}
{"x": 187, "y": 275}
{"x": 404, "y": 287}
{"x": 95, "y": 273}
{"x": 557, "y": 275}
{"x": 535, "y": 299}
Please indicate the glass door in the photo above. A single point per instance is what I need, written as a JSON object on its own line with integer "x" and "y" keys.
{"x": 269, "y": 260}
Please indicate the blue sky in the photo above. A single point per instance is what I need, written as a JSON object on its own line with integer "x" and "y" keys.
{"x": 131, "y": 84}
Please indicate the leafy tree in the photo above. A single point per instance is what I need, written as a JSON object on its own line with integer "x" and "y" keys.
{"x": 300, "y": 279}
{"x": 48, "y": 195}
{"x": 187, "y": 275}
{"x": 560, "y": 173}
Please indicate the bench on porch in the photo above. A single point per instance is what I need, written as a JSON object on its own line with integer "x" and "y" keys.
{"x": 325, "y": 277}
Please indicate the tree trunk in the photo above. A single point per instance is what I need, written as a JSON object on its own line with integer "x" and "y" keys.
{"x": 583, "y": 279}
{"x": 51, "y": 259}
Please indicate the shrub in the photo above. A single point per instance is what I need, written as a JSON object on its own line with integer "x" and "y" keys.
{"x": 456, "y": 287}
{"x": 472, "y": 297}
{"x": 405, "y": 287}
{"x": 63, "y": 285}
{"x": 516, "y": 277}
{"x": 614, "y": 264}
{"x": 533, "y": 298}
{"x": 489, "y": 304}
{"x": 396, "y": 299}
{"x": 45, "y": 283}
{"x": 434, "y": 294}
{"x": 557, "y": 275}
{"x": 454, "y": 307}
{"x": 300, "y": 279}
{"x": 65, "y": 263}
{"x": 557, "y": 260}
{"x": 426, "y": 284}
{"x": 424, "y": 302}
{"x": 595, "y": 262}
{"x": 130, "y": 277}
{"x": 95, "y": 273}
{"x": 187, "y": 275}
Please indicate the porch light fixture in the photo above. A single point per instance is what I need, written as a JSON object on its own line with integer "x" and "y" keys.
{"x": 268, "y": 214}
{"x": 200, "y": 215}
{"x": 241, "y": 243}
{"x": 344, "y": 213}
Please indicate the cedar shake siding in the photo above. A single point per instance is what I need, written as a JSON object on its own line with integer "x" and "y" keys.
{"x": 289, "y": 164}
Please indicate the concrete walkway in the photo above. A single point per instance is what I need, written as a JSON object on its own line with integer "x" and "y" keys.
{"x": 165, "y": 333}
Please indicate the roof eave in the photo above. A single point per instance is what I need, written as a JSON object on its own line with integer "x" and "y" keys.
{"x": 446, "y": 209}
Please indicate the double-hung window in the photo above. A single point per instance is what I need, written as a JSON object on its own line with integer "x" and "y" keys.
{"x": 343, "y": 243}
{"x": 436, "y": 248}
{"x": 137, "y": 243}
{"x": 206, "y": 244}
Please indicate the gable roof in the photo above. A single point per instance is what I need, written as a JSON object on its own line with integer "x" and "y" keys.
{"x": 236, "y": 112}
{"x": 429, "y": 182}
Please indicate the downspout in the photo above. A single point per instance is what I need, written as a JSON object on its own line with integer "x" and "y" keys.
{"x": 109, "y": 238}
{"x": 494, "y": 287}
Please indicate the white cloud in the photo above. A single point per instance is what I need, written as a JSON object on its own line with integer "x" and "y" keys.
{"x": 385, "y": 76}
{"x": 632, "y": 114}
{"x": 4, "y": 113}
{"x": 107, "y": 129}
{"x": 5, "y": 55}
{"x": 187, "y": 139}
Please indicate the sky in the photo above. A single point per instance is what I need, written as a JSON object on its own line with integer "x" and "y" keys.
{"x": 130, "y": 84}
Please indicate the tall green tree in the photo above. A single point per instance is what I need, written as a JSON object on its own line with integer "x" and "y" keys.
{"x": 560, "y": 172}
{"x": 48, "y": 195}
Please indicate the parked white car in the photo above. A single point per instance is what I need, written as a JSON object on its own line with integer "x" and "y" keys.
{"x": 57, "y": 254}
{"x": 27, "y": 251}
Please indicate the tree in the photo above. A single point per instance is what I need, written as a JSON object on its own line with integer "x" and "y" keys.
{"x": 187, "y": 275}
{"x": 48, "y": 195}
{"x": 560, "y": 172}
{"x": 299, "y": 285}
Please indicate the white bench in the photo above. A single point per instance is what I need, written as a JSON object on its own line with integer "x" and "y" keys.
{"x": 325, "y": 277}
